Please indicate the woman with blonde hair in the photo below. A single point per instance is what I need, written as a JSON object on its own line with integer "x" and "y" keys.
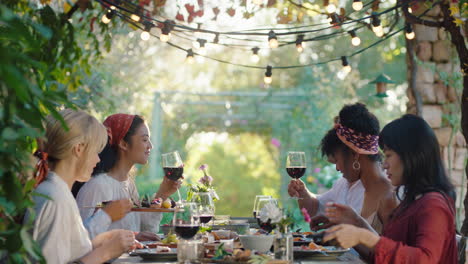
{"x": 72, "y": 153}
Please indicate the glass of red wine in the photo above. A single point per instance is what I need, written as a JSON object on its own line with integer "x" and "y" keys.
{"x": 186, "y": 222}
{"x": 296, "y": 165}
{"x": 257, "y": 198}
{"x": 205, "y": 206}
{"x": 266, "y": 226}
{"x": 173, "y": 167}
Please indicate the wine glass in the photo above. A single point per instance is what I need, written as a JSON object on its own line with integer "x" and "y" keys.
{"x": 173, "y": 167}
{"x": 186, "y": 222}
{"x": 267, "y": 226}
{"x": 205, "y": 206}
{"x": 258, "y": 197}
{"x": 296, "y": 165}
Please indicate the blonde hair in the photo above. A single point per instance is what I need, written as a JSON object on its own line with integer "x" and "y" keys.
{"x": 81, "y": 128}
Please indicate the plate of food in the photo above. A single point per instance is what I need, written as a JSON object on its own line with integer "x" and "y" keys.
{"x": 155, "y": 205}
{"x": 160, "y": 253}
{"x": 317, "y": 251}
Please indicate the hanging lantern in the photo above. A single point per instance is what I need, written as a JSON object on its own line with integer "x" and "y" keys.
{"x": 381, "y": 85}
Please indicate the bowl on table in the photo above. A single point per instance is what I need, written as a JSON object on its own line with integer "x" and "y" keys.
{"x": 260, "y": 243}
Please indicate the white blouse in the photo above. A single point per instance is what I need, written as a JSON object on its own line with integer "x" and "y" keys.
{"x": 58, "y": 228}
{"x": 103, "y": 187}
{"x": 343, "y": 192}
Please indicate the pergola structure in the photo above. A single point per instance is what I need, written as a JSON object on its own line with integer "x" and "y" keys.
{"x": 227, "y": 100}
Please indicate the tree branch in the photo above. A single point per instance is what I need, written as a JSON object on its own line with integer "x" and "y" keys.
{"x": 417, "y": 20}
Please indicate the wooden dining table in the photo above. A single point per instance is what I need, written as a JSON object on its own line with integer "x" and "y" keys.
{"x": 349, "y": 257}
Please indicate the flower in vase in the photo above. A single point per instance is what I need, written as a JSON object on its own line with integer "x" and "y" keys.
{"x": 271, "y": 212}
{"x": 206, "y": 179}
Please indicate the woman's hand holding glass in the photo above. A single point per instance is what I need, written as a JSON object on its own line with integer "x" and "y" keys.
{"x": 297, "y": 188}
{"x": 168, "y": 187}
{"x": 296, "y": 167}
{"x": 173, "y": 170}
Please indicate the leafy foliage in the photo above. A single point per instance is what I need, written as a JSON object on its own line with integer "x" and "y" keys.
{"x": 42, "y": 67}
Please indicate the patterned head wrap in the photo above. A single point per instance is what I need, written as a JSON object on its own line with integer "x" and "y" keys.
{"x": 357, "y": 141}
{"x": 117, "y": 127}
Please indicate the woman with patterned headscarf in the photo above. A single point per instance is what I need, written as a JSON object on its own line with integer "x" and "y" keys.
{"x": 364, "y": 190}
{"x": 128, "y": 144}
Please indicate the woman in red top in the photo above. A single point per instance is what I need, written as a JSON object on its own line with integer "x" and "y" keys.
{"x": 422, "y": 227}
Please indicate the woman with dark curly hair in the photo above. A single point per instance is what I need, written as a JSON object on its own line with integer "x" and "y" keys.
{"x": 422, "y": 228}
{"x": 352, "y": 145}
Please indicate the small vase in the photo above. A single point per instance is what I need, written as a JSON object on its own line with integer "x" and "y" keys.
{"x": 283, "y": 245}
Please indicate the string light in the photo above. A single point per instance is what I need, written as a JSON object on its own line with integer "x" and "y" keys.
{"x": 272, "y": 40}
{"x": 410, "y": 10}
{"x": 189, "y": 59}
{"x": 376, "y": 26}
{"x": 355, "y": 40}
{"x": 357, "y": 5}
{"x": 135, "y": 17}
{"x": 166, "y": 31}
{"x": 300, "y": 43}
{"x": 409, "y": 31}
{"x": 145, "y": 35}
{"x": 201, "y": 45}
{"x": 344, "y": 62}
{"x": 330, "y": 8}
{"x": 334, "y": 19}
{"x": 106, "y": 18}
{"x": 267, "y": 79}
{"x": 255, "y": 58}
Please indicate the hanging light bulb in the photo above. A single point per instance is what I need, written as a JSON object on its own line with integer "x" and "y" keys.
{"x": 136, "y": 17}
{"x": 300, "y": 43}
{"x": 410, "y": 10}
{"x": 255, "y": 58}
{"x": 355, "y": 40}
{"x": 267, "y": 79}
{"x": 409, "y": 31}
{"x": 112, "y": 7}
{"x": 357, "y": 5}
{"x": 201, "y": 45}
{"x": 145, "y": 35}
{"x": 344, "y": 62}
{"x": 106, "y": 18}
{"x": 257, "y": 2}
{"x": 329, "y": 7}
{"x": 376, "y": 26}
{"x": 166, "y": 31}
{"x": 189, "y": 59}
{"x": 272, "y": 40}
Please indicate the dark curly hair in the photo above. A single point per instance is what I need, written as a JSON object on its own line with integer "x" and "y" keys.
{"x": 357, "y": 117}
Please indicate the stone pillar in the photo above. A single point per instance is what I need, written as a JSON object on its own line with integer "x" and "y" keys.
{"x": 435, "y": 51}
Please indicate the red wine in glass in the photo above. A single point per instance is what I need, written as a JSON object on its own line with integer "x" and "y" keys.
{"x": 267, "y": 226}
{"x": 296, "y": 172}
{"x": 186, "y": 231}
{"x": 173, "y": 173}
{"x": 205, "y": 218}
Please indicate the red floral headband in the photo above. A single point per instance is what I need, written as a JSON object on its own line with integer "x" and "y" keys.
{"x": 357, "y": 141}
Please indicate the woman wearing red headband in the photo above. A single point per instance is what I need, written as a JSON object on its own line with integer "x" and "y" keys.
{"x": 352, "y": 145}
{"x": 71, "y": 154}
{"x": 129, "y": 144}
